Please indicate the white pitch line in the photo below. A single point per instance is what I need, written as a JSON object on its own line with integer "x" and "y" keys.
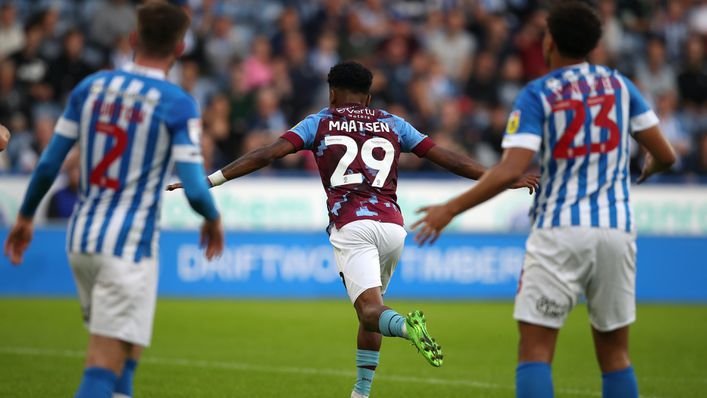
{"x": 42, "y": 352}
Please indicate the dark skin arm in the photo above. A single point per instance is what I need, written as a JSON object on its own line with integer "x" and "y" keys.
{"x": 466, "y": 167}
{"x": 660, "y": 156}
{"x": 497, "y": 179}
{"x": 252, "y": 161}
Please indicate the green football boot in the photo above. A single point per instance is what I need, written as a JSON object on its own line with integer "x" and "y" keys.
{"x": 421, "y": 339}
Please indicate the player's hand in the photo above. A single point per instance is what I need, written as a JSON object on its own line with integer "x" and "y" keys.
{"x": 530, "y": 181}
{"x": 176, "y": 185}
{"x": 432, "y": 223}
{"x": 4, "y": 137}
{"x": 212, "y": 238}
{"x": 18, "y": 240}
{"x": 649, "y": 168}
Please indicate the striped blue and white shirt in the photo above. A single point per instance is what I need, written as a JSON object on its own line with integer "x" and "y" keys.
{"x": 131, "y": 125}
{"x": 579, "y": 119}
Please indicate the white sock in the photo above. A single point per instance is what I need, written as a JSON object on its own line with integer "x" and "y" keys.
{"x": 354, "y": 394}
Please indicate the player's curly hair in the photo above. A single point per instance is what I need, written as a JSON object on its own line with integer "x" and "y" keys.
{"x": 575, "y": 28}
{"x": 350, "y": 75}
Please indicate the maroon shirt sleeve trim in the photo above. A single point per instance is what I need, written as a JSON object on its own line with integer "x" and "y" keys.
{"x": 294, "y": 139}
{"x": 423, "y": 147}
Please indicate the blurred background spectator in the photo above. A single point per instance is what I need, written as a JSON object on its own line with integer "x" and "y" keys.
{"x": 257, "y": 67}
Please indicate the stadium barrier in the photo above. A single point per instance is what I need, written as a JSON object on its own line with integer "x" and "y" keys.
{"x": 301, "y": 265}
{"x": 298, "y": 204}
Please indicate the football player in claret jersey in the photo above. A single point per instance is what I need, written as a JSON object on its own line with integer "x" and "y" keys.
{"x": 131, "y": 125}
{"x": 578, "y": 118}
{"x": 356, "y": 150}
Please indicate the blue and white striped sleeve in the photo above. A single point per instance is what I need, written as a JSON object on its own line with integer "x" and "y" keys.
{"x": 66, "y": 132}
{"x": 641, "y": 114}
{"x": 525, "y": 123}
{"x": 185, "y": 130}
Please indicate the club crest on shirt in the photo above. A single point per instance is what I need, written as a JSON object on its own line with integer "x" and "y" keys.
{"x": 513, "y": 122}
{"x": 194, "y": 127}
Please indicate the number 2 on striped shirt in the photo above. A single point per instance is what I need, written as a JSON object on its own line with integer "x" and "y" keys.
{"x": 564, "y": 149}
{"x": 98, "y": 175}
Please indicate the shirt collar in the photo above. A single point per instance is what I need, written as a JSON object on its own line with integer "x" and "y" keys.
{"x": 145, "y": 71}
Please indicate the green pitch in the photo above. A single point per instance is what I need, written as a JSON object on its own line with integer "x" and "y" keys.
{"x": 306, "y": 349}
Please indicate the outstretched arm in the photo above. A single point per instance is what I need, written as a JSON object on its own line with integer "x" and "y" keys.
{"x": 257, "y": 159}
{"x": 466, "y": 167}
{"x": 458, "y": 164}
{"x": 248, "y": 163}
{"x": 493, "y": 182}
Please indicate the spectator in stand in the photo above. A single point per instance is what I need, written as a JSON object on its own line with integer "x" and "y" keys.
{"x": 191, "y": 80}
{"x": 655, "y": 75}
{"x": 373, "y": 17}
{"x": 454, "y": 47}
{"x": 396, "y": 70}
{"x": 224, "y": 43}
{"x": 325, "y": 54}
{"x": 258, "y": 66}
{"x": 69, "y": 68}
{"x": 674, "y": 29}
{"x": 52, "y": 34}
{"x": 697, "y": 163}
{"x": 13, "y": 99}
{"x": 30, "y": 68}
{"x": 113, "y": 19}
{"x": 672, "y": 126}
{"x": 483, "y": 84}
{"x": 12, "y": 36}
{"x": 122, "y": 53}
{"x": 268, "y": 117}
{"x": 304, "y": 79}
{"x": 288, "y": 23}
{"x": 613, "y": 30}
{"x": 529, "y": 42}
{"x": 692, "y": 80}
{"x": 511, "y": 81}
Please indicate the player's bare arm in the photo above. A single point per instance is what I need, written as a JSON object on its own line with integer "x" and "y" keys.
{"x": 4, "y": 137}
{"x": 500, "y": 177}
{"x": 248, "y": 163}
{"x": 660, "y": 156}
{"x": 466, "y": 167}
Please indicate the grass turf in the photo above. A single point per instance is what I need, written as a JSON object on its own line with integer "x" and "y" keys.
{"x": 209, "y": 348}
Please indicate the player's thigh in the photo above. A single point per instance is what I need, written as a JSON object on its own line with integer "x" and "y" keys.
{"x": 124, "y": 299}
{"x": 551, "y": 280}
{"x": 357, "y": 258}
{"x": 84, "y": 271}
{"x": 390, "y": 248}
{"x": 611, "y": 291}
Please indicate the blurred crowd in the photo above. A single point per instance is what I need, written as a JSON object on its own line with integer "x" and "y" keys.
{"x": 256, "y": 67}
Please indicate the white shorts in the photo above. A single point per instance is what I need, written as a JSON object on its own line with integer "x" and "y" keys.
{"x": 117, "y": 297}
{"x": 562, "y": 264}
{"x": 366, "y": 253}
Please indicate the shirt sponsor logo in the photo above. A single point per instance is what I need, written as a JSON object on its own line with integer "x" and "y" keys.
{"x": 194, "y": 126}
